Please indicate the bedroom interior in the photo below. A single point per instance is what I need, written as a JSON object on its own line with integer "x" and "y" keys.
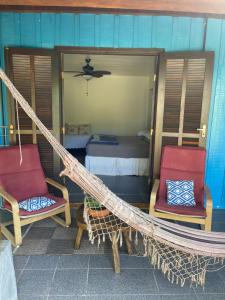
{"x": 116, "y": 108}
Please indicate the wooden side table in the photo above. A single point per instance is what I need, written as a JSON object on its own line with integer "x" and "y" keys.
{"x": 81, "y": 225}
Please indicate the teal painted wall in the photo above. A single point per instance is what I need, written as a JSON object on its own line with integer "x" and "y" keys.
{"x": 172, "y": 33}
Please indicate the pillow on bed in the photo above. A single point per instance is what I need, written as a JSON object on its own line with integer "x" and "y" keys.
{"x": 72, "y": 129}
{"x": 104, "y": 139}
{"x": 84, "y": 129}
{"x": 144, "y": 134}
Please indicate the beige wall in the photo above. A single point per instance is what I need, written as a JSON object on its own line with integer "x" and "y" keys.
{"x": 115, "y": 104}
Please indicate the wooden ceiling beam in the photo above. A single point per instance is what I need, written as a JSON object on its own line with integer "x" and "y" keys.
{"x": 202, "y": 7}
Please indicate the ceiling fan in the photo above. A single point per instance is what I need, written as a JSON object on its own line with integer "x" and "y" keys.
{"x": 89, "y": 72}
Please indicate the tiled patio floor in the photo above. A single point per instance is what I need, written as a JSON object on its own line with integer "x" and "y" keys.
{"x": 48, "y": 268}
{"x": 51, "y": 277}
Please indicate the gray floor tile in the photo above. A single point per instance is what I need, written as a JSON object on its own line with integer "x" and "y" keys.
{"x": 108, "y": 247}
{"x": 69, "y": 282}
{"x": 115, "y": 297}
{"x": 166, "y": 287}
{"x": 179, "y": 297}
{"x": 35, "y": 282}
{"x": 213, "y": 284}
{"x": 134, "y": 262}
{"x": 221, "y": 271}
{"x": 75, "y": 261}
{"x": 60, "y": 247}
{"x": 76, "y": 197}
{"x": 40, "y": 233}
{"x": 132, "y": 281}
{"x": 211, "y": 297}
{"x": 141, "y": 297}
{"x": 20, "y": 261}
{"x": 25, "y": 297}
{"x": 66, "y": 298}
{"x": 101, "y": 261}
{"x": 32, "y": 247}
{"x": 87, "y": 248}
{"x": 45, "y": 223}
{"x": 134, "y": 198}
{"x": 41, "y": 262}
{"x": 63, "y": 233}
{"x": 18, "y": 273}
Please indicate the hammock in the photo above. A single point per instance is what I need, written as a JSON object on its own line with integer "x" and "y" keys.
{"x": 180, "y": 252}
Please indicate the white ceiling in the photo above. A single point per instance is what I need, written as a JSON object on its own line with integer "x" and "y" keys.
{"x": 116, "y": 64}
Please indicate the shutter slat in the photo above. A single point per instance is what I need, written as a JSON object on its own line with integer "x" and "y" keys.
{"x": 194, "y": 94}
{"x": 43, "y": 89}
{"x": 173, "y": 90}
{"x": 22, "y": 78}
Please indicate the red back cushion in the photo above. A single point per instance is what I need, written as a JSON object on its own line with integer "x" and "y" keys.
{"x": 179, "y": 163}
{"x": 25, "y": 180}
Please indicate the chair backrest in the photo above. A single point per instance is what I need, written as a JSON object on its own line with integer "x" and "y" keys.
{"x": 186, "y": 163}
{"x": 25, "y": 180}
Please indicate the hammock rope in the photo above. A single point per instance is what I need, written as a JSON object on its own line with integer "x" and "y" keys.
{"x": 180, "y": 252}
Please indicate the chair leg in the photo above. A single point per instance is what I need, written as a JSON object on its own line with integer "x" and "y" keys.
{"x": 17, "y": 229}
{"x": 116, "y": 255}
{"x": 78, "y": 237}
{"x": 67, "y": 214}
{"x": 128, "y": 243}
{"x": 208, "y": 224}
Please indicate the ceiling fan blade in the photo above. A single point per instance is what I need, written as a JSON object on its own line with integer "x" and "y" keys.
{"x": 72, "y": 71}
{"x": 102, "y": 72}
{"x": 97, "y": 75}
{"x": 80, "y": 74}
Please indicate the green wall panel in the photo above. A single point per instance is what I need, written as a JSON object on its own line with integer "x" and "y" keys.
{"x": 106, "y": 30}
{"x": 216, "y": 141}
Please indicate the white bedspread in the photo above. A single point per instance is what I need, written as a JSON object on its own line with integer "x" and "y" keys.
{"x": 114, "y": 166}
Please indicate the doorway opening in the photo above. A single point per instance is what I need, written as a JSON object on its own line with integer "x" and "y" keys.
{"x": 108, "y": 120}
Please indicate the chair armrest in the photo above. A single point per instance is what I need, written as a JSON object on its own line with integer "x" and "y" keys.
{"x": 60, "y": 187}
{"x": 10, "y": 199}
{"x": 209, "y": 203}
{"x": 153, "y": 196}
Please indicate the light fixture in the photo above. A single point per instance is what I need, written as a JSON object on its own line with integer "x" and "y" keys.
{"x": 87, "y": 77}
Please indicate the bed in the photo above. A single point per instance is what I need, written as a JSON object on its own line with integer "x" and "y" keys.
{"x": 76, "y": 141}
{"x": 77, "y": 135}
{"x": 129, "y": 155}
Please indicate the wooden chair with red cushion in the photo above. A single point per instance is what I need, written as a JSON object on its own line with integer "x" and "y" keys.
{"x": 25, "y": 181}
{"x": 182, "y": 163}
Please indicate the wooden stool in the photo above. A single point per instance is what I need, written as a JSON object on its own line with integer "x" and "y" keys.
{"x": 81, "y": 225}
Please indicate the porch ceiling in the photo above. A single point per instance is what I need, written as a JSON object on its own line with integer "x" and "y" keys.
{"x": 207, "y": 7}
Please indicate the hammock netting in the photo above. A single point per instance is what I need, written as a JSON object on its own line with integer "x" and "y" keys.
{"x": 182, "y": 253}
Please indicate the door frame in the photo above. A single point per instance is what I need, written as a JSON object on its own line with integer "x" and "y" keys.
{"x": 61, "y": 50}
{"x": 156, "y": 52}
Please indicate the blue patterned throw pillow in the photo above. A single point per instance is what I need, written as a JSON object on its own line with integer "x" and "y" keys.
{"x": 180, "y": 192}
{"x": 36, "y": 203}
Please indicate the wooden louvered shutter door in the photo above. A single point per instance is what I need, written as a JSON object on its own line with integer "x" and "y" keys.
{"x": 34, "y": 73}
{"x": 183, "y": 101}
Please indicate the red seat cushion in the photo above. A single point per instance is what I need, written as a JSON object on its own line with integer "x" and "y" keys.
{"x": 196, "y": 211}
{"x": 182, "y": 163}
{"x": 24, "y": 213}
